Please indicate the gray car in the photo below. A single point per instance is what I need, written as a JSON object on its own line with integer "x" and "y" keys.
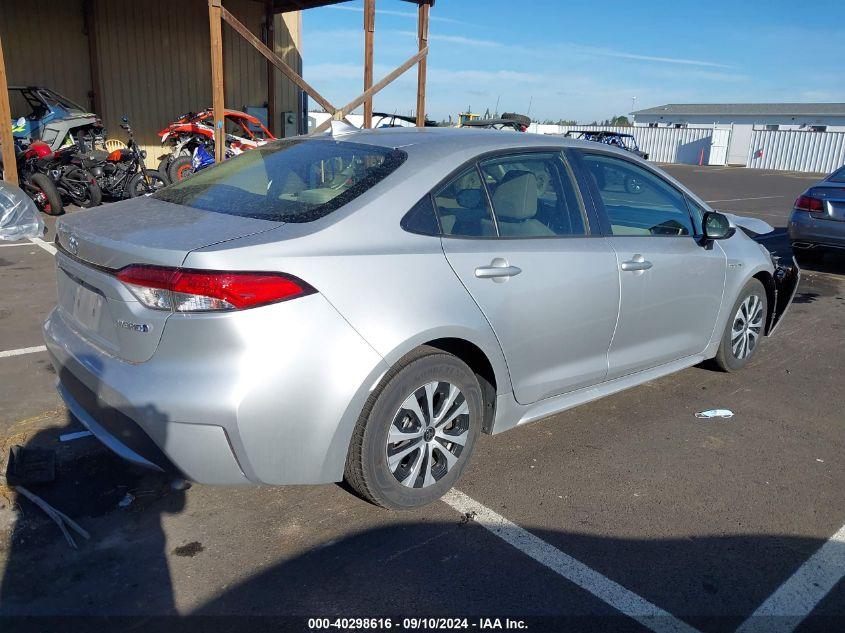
{"x": 817, "y": 223}
{"x": 363, "y": 306}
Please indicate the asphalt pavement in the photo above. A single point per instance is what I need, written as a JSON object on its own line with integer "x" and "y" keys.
{"x": 628, "y": 513}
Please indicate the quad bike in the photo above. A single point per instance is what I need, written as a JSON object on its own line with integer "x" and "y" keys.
{"x": 122, "y": 173}
{"x": 193, "y": 129}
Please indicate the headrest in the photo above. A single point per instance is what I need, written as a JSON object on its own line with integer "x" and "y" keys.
{"x": 515, "y": 197}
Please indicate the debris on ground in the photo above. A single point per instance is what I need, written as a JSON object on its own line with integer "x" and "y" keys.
{"x": 189, "y": 549}
{"x": 715, "y": 413}
{"x": 61, "y": 519}
{"x": 69, "y": 437}
{"x": 31, "y": 465}
{"x": 466, "y": 517}
{"x": 127, "y": 500}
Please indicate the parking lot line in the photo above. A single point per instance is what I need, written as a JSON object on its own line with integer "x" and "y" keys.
{"x": 23, "y": 350}
{"x": 45, "y": 245}
{"x": 796, "y": 598}
{"x": 741, "y": 199}
{"x": 15, "y": 244}
{"x": 573, "y": 570}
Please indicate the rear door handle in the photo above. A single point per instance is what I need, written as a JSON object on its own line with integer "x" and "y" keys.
{"x": 637, "y": 262}
{"x": 498, "y": 270}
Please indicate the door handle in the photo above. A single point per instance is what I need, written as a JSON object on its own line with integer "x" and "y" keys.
{"x": 498, "y": 270}
{"x": 637, "y": 262}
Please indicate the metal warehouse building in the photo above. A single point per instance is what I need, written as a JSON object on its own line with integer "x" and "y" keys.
{"x": 742, "y": 119}
{"x": 149, "y": 59}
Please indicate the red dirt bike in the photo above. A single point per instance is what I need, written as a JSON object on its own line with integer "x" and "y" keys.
{"x": 193, "y": 129}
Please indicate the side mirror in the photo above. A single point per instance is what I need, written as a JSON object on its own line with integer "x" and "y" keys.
{"x": 716, "y": 226}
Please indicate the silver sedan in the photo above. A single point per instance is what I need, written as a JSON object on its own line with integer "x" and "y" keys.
{"x": 363, "y": 306}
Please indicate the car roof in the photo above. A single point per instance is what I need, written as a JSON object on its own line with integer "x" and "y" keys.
{"x": 442, "y": 140}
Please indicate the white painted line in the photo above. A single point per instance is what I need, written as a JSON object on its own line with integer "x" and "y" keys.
{"x": 795, "y": 599}
{"x": 741, "y": 199}
{"x": 573, "y": 570}
{"x": 15, "y": 244}
{"x": 22, "y": 351}
{"x": 45, "y": 245}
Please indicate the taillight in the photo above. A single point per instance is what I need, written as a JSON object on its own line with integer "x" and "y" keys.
{"x": 186, "y": 290}
{"x": 809, "y": 204}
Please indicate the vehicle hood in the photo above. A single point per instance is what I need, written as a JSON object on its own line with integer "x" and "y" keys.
{"x": 753, "y": 225}
{"x": 149, "y": 231}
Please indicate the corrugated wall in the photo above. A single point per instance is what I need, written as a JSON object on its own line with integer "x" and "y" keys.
{"x": 663, "y": 145}
{"x": 795, "y": 150}
{"x": 45, "y": 44}
{"x": 154, "y": 63}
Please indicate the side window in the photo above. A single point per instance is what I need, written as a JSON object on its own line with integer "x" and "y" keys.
{"x": 638, "y": 202}
{"x": 462, "y": 207}
{"x": 533, "y": 196}
{"x": 421, "y": 218}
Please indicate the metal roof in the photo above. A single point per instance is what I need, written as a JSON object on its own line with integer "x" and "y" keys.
{"x": 721, "y": 109}
{"x": 283, "y": 6}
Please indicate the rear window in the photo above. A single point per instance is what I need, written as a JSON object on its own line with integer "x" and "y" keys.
{"x": 287, "y": 181}
{"x": 838, "y": 175}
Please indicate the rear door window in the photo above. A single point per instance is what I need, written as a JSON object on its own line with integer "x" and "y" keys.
{"x": 287, "y": 181}
{"x": 463, "y": 208}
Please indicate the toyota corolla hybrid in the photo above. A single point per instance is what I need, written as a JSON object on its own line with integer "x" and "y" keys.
{"x": 362, "y": 306}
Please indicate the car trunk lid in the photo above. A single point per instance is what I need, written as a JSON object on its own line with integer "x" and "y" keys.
{"x": 833, "y": 196}
{"x": 94, "y": 244}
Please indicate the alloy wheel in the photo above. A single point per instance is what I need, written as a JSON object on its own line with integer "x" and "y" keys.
{"x": 427, "y": 434}
{"x": 747, "y": 327}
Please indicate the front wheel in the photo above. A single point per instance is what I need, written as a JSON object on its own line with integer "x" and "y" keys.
{"x": 415, "y": 436}
{"x": 744, "y": 329}
{"x": 141, "y": 185}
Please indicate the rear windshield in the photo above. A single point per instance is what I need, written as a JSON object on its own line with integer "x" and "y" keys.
{"x": 838, "y": 175}
{"x": 287, "y": 181}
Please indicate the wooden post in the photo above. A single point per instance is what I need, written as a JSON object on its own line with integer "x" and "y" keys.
{"x": 269, "y": 17}
{"x": 422, "y": 34}
{"x": 369, "y": 29}
{"x": 7, "y": 141}
{"x": 215, "y": 8}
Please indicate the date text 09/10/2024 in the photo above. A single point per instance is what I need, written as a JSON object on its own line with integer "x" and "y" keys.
{"x": 415, "y": 624}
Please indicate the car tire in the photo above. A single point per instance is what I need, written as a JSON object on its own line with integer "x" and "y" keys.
{"x": 52, "y": 204}
{"x": 745, "y": 328}
{"x": 402, "y": 474}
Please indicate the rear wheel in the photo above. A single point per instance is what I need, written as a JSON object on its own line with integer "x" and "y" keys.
{"x": 416, "y": 435}
{"x": 180, "y": 168}
{"x": 47, "y": 197}
{"x": 141, "y": 185}
{"x": 745, "y": 328}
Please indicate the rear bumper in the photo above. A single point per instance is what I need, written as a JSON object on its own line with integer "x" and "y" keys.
{"x": 807, "y": 232}
{"x": 269, "y": 395}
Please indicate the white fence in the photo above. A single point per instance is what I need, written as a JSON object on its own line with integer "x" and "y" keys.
{"x": 795, "y": 150}
{"x": 663, "y": 145}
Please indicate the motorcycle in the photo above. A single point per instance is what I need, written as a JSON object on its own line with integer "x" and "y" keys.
{"x": 123, "y": 173}
{"x": 32, "y": 179}
{"x": 72, "y": 177}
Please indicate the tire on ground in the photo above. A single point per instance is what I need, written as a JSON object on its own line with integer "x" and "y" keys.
{"x": 725, "y": 358}
{"x": 367, "y": 470}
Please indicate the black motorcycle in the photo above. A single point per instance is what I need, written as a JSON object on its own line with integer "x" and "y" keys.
{"x": 72, "y": 176}
{"x": 122, "y": 173}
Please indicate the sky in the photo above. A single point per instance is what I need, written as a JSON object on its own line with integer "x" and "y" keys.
{"x": 566, "y": 59}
